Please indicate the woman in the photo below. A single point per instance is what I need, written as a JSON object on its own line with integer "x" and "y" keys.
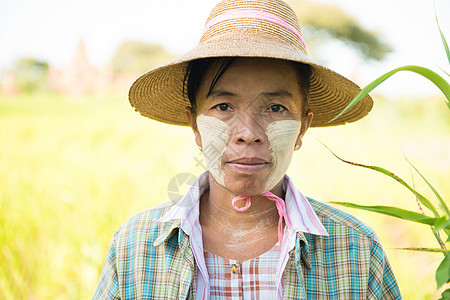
{"x": 249, "y": 92}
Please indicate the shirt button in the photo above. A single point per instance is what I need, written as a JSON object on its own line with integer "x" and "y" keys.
{"x": 234, "y": 268}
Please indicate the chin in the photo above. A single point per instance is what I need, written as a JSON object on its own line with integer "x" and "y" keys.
{"x": 245, "y": 186}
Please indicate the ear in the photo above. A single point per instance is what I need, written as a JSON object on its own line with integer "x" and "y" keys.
{"x": 305, "y": 124}
{"x": 192, "y": 119}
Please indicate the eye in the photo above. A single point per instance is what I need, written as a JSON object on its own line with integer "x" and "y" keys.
{"x": 222, "y": 107}
{"x": 276, "y": 108}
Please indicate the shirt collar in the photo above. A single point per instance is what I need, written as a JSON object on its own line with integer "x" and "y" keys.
{"x": 300, "y": 213}
{"x": 186, "y": 209}
{"x": 185, "y": 213}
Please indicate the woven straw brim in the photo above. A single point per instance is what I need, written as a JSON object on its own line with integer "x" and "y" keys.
{"x": 159, "y": 95}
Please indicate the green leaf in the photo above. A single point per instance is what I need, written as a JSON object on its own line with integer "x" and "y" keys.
{"x": 445, "y": 295}
{"x": 446, "y": 73}
{"x": 441, "y": 223}
{"x": 419, "y": 196}
{"x": 443, "y": 271}
{"x": 444, "y": 41}
{"x": 419, "y": 249}
{"x": 440, "y": 82}
{"x": 394, "y": 212}
{"x": 444, "y": 206}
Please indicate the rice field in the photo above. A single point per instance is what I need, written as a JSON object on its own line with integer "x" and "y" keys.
{"x": 73, "y": 170}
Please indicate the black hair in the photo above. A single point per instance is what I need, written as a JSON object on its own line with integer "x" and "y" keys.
{"x": 196, "y": 70}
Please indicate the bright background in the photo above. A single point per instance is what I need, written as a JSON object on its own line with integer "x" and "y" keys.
{"x": 50, "y": 30}
{"x": 74, "y": 169}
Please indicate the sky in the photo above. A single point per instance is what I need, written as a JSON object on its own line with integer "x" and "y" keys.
{"x": 50, "y": 30}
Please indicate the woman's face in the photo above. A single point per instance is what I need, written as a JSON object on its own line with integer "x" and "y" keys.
{"x": 249, "y": 123}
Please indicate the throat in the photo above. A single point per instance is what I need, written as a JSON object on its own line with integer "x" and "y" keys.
{"x": 220, "y": 214}
{"x": 238, "y": 243}
{"x": 238, "y": 235}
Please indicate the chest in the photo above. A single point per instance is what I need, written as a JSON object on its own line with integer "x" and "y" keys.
{"x": 170, "y": 270}
{"x": 255, "y": 278}
{"x": 240, "y": 245}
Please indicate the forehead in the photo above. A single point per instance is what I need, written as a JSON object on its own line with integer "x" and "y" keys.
{"x": 259, "y": 69}
{"x": 250, "y": 77}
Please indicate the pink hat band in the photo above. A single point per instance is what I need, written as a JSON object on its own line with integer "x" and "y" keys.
{"x": 252, "y": 14}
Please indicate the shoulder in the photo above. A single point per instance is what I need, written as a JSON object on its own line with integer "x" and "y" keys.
{"x": 336, "y": 221}
{"x": 347, "y": 237}
{"x": 135, "y": 261}
{"x": 143, "y": 225}
{"x": 351, "y": 245}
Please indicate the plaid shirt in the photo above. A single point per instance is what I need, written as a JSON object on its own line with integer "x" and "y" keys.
{"x": 251, "y": 279}
{"x": 158, "y": 254}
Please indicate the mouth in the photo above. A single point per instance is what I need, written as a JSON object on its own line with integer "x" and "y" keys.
{"x": 248, "y": 165}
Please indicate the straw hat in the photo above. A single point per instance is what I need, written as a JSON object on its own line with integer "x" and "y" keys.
{"x": 247, "y": 28}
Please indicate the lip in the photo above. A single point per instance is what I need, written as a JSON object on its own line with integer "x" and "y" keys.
{"x": 248, "y": 160}
{"x": 248, "y": 165}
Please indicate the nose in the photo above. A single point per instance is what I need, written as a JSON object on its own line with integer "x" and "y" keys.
{"x": 248, "y": 129}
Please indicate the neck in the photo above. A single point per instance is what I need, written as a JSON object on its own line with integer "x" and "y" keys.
{"x": 216, "y": 209}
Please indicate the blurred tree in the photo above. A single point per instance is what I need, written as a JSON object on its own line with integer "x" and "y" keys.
{"x": 31, "y": 74}
{"x": 321, "y": 21}
{"x": 138, "y": 57}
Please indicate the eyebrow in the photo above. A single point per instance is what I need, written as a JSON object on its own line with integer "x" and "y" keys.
{"x": 280, "y": 93}
{"x": 215, "y": 93}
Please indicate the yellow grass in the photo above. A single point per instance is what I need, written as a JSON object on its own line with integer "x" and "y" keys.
{"x": 73, "y": 170}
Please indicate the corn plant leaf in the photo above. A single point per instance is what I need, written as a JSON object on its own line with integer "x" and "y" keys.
{"x": 441, "y": 223}
{"x": 420, "y": 249}
{"x": 443, "y": 204}
{"x": 440, "y": 82}
{"x": 443, "y": 271}
{"x": 445, "y": 295}
{"x": 446, "y": 73}
{"x": 447, "y": 232}
{"x": 419, "y": 196}
{"x": 394, "y": 212}
{"x": 444, "y": 41}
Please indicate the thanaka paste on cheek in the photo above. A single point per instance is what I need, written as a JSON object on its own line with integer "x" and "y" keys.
{"x": 215, "y": 135}
{"x": 281, "y": 136}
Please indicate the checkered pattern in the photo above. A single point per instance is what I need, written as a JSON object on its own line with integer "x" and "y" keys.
{"x": 253, "y": 279}
{"x": 151, "y": 259}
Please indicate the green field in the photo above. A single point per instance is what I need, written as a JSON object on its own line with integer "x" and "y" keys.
{"x": 73, "y": 170}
